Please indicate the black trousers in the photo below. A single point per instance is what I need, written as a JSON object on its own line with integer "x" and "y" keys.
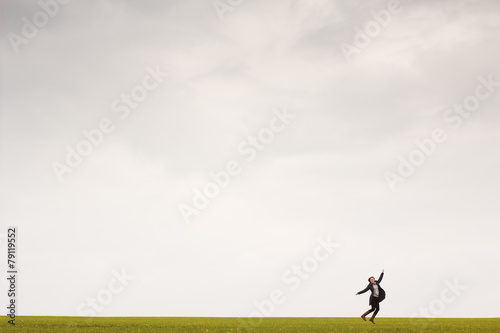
{"x": 375, "y": 305}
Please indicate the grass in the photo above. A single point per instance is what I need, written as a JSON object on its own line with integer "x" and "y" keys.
{"x": 285, "y": 325}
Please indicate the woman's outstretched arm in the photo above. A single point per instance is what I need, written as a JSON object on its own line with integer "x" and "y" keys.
{"x": 364, "y": 290}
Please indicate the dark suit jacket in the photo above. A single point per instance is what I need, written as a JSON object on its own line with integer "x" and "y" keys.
{"x": 381, "y": 292}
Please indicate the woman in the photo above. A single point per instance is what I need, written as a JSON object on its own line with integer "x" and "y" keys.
{"x": 377, "y": 296}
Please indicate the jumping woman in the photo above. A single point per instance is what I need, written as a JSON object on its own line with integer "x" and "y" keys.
{"x": 377, "y": 296}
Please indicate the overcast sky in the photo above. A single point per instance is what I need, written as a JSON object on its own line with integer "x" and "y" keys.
{"x": 314, "y": 118}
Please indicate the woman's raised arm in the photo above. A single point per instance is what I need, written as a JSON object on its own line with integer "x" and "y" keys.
{"x": 381, "y": 276}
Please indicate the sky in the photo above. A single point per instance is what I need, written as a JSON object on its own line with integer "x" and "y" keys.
{"x": 251, "y": 158}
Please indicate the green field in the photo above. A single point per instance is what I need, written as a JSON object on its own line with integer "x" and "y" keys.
{"x": 305, "y": 325}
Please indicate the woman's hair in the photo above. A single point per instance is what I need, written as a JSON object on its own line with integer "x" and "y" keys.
{"x": 370, "y": 278}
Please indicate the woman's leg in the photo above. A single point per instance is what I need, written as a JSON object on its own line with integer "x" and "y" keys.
{"x": 366, "y": 313}
{"x": 376, "y": 307}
